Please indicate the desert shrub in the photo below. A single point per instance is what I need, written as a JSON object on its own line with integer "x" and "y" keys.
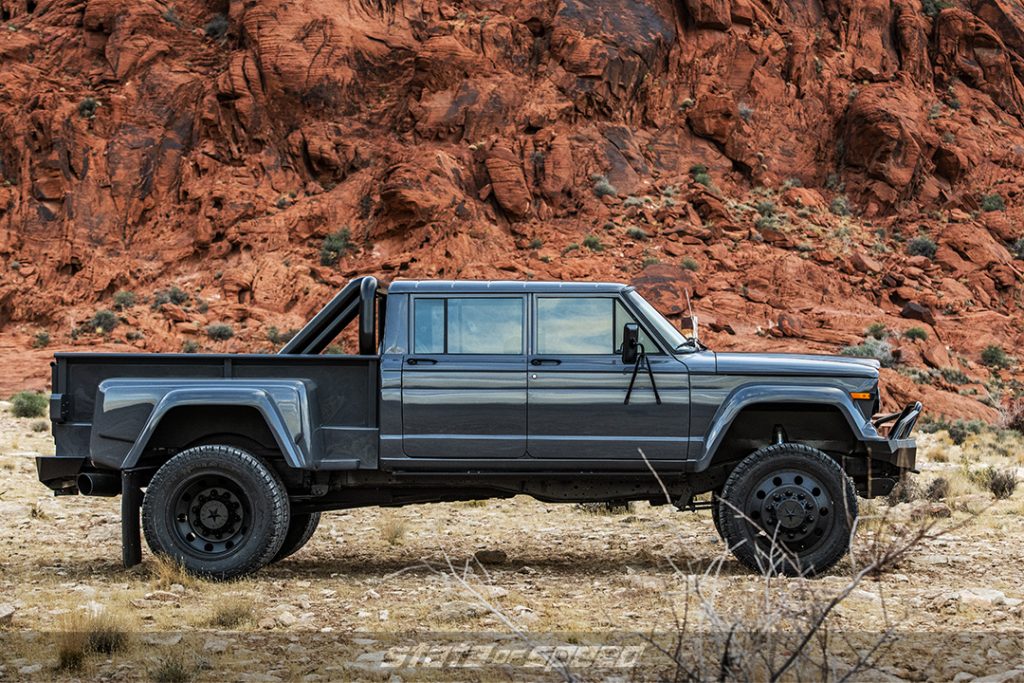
{"x": 637, "y": 233}
{"x": 907, "y": 490}
{"x": 877, "y": 331}
{"x": 216, "y": 27}
{"x": 572, "y": 246}
{"x": 938, "y": 489}
{"x": 335, "y": 246}
{"x": 190, "y": 346}
{"x": 278, "y": 337}
{"x": 632, "y": 201}
{"x": 603, "y": 188}
{"x": 1000, "y": 483}
{"x": 916, "y": 333}
{"x": 699, "y": 173}
{"x": 104, "y": 321}
{"x": 954, "y": 376}
{"x": 689, "y": 264}
{"x": 993, "y": 202}
{"x": 745, "y": 111}
{"x": 87, "y": 107}
{"x": 41, "y": 340}
{"x": 649, "y": 261}
{"x": 1013, "y": 415}
{"x": 932, "y": 8}
{"x": 765, "y": 208}
{"x": 878, "y": 349}
{"x": 1018, "y": 249}
{"x": 536, "y": 243}
{"x": 171, "y": 17}
{"x": 922, "y": 245}
{"x": 175, "y": 295}
{"x": 40, "y": 426}
{"x": 592, "y": 243}
{"x": 124, "y": 299}
{"x": 29, "y": 404}
{"x": 840, "y": 206}
{"x": 219, "y": 332}
{"x": 995, "y": 356}
{"x": 958, "y": 430}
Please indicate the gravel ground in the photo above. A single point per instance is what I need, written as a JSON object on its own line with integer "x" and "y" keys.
{"x": 372, "y": 580}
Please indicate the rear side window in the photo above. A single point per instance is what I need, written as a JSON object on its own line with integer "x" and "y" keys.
{"x": 468, "y": 325}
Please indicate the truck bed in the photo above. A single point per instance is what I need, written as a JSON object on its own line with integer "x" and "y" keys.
{"x": 342, "y": 390}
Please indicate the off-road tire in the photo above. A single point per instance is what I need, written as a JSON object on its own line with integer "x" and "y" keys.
{"x": 300, "y": 530}
{"x": 716, "y": 512}
{"x": 217, "y": 510}
{"x": 792, "y": 497}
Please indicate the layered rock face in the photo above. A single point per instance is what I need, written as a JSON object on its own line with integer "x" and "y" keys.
{"x": 801, "y": 170}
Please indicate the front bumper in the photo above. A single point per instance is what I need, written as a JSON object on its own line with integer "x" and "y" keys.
{"x": 897, "y": 448}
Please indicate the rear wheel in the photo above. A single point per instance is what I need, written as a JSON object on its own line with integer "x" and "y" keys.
{"x": 300, "y": 530}
{"x": 788, "y": 508}
{"x": 217, "y": 510}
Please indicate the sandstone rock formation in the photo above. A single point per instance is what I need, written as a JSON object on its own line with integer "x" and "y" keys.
{"x": 803, "y": 170}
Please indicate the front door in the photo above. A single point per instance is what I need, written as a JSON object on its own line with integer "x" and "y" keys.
{"x": 464, "y": 380}
{"x": 578, "y": 383}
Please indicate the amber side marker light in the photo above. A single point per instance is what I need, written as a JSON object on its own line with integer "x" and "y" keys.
{"x": 860, "y": 395}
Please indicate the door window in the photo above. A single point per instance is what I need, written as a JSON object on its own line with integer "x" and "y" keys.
{"x": 583, "y": 326}
{"x": 468, "y": 325}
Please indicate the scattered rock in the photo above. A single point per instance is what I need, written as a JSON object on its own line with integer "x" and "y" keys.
{"x": 491, "y": 556}
{"x": 7, "y": 611}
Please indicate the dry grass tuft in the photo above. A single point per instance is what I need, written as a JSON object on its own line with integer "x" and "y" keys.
{"x": 166, "y": 571}
{"x": 35, "y": 511}
{"x": 231, "y": 613}
{"x": 606, "y": 508}
{"x": 174, "y": 668}
{"x": 392, "y": 529}
{"x": 86, "y": 633}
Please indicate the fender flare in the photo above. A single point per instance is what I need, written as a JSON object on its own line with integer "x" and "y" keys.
{"x": 755, "y": 394}
{"x": 251, "y": 397}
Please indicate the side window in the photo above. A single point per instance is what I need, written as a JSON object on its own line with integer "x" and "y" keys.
{"x": 428, "y": 326}
{"x": 575, "y": 325}
{"x": 470, "y": 325}
{"x": 622, "y": 316}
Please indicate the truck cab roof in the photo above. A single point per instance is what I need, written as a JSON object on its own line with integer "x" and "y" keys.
{"x": 502, "y": 286}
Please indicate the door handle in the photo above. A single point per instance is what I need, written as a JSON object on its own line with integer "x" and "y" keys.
{"x": 545, "y": 361}
{"x": 417, "y": 361}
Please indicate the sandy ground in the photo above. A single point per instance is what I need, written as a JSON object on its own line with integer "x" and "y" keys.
{"x": 372, "y": 580}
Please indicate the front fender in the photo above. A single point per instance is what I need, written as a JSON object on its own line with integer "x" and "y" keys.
{"x": 128, "y": 411}
{"x": 746, "y": 396}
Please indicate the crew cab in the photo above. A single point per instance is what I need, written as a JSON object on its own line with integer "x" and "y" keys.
{"x": 567, "y": 392}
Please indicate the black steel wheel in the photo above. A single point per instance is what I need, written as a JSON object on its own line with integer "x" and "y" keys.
{"x": 300, "y": 530}
{"x": 217, "y": 510}
{"x": 788, "y": 508}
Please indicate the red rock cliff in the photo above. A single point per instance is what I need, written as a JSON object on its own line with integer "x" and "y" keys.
{"x": 804, "y": 169}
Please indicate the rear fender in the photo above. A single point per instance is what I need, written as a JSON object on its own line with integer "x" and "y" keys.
{"x": 128, "y": 412}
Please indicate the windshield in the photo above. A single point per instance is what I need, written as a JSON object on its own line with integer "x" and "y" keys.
{"x": 662, "y": 326}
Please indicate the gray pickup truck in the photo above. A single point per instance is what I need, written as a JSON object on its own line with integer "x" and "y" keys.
{"x": 567, "y": 392}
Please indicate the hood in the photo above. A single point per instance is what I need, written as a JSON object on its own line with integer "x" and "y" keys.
{"x": 796, "y": 364}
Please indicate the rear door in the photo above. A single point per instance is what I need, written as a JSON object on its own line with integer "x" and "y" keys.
{"x": 464, "y": 378}
{"x": 577, "y": 385}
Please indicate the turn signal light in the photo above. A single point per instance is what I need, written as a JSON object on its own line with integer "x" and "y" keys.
{"x": 860, "y": 395}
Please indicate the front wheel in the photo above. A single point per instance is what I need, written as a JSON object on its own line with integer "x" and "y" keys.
{"x": 788, "y": 508}
{"x": 217, "y": 510}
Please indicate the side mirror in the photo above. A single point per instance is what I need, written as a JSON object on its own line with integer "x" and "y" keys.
{"x": 630, "y": 343}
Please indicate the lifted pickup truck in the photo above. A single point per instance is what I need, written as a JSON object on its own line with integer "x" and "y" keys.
{"x": 566, "y": 392}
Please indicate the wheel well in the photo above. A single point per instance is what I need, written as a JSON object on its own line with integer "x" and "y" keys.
{"x": 820, "y": 426}
{"x": 187, "y": 426}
